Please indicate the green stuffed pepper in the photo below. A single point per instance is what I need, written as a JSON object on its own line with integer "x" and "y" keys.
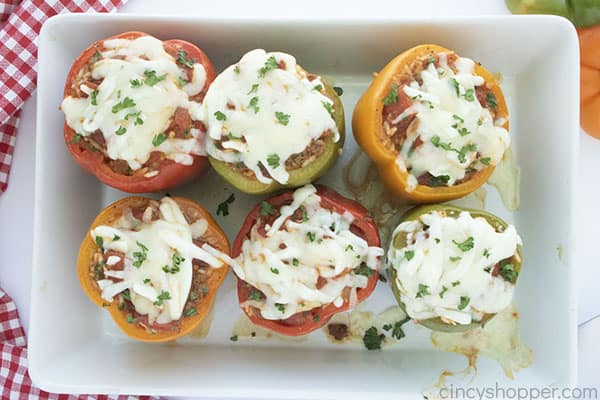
{"x": 271, "y": 124}
{"x": 452, "y": 268}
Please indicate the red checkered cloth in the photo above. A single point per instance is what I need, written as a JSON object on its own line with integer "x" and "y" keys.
{"x": 20, "y": 24}
{"x": 14, "y": 378}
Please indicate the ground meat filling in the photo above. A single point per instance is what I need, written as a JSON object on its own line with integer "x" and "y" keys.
{"x": 180, "y": 126}
{"x": 253, "y": 293}
{"x": 200, "y": 273}
{"x": 393, "y": 135}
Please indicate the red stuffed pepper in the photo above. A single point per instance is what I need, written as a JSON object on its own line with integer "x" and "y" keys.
{"x": 303, "y": 256}
{"x": 132, "y": 105}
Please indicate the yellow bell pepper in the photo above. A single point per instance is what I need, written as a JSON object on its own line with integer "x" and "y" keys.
{"x": 367, "y": 124}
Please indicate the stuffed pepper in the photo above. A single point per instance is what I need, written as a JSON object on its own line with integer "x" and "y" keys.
{"x": 452, "y": 269}
{"x": 133, "y": 107}
{"x": 434, "y": 123}
{"x": 271, "y": 124}
{"x": 303, "y": 256}
{"x": 154, "y": 265}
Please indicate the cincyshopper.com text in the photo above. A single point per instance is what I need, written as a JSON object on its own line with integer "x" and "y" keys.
{"x": 517, "y": 393}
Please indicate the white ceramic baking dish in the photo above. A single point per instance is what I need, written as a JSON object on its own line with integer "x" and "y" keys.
{"x": 74, "y": 346}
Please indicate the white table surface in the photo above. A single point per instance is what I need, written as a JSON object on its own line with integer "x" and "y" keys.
{"x": 16, "y": 204}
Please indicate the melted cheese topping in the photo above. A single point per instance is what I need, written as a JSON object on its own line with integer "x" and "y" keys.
{"x": 158, "y": 260}
{"x": 262, "y": 114}
{"x": 141, "y": 88}
{"x": 458, "y": 134}
{"x": 446, "y": 272}
{"x": 287, "y": 263}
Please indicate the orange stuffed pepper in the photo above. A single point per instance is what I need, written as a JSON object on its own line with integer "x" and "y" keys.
{"x": 154, "y": 265}
{"x": 434, "y": 123}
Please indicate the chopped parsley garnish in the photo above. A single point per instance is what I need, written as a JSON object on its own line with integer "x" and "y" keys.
{"x": 125, "y": 294}
{"x": 254, "y": 104}
{"x": 488, "y": 269}
{"x": 295, "y": 262}
{"x": 162, "y": 296}
{"x": 273, "y": 160}
{"x": 190, "y": 312}
{"x": 486, "y": 253}
{"x": 469, "y": 95}
{"x": 255, "y": 295}
{"x": 152, "y": 79}
{"x": 120, "y": 131}
{"x": 397, "y": 331}
{"x": 310, "y": 236}
{"x": 220, "y": 116}
{"x": 338, "y": 90}
{"x": 76, "y": 138}
{"x": 146, "y": 281}
{"x": 140, "y": 256}
{"x": 223, "y": 207}
{"x": 304, "y": 213}
{"x": 234, "y": 338}
{"x": 315, "y": 318}
{"x": 236, "y": 69}
{"x": 508, "y": 272}
{"x": 123, "y": 104}
{"x": 349, "y": 248}
{"x": 132, "y": 114}
{"x": 443, "y": 291}
{"x": 97, "y": 56}
{"x": 183, "y": 59}
{"x": 435, "y": 140}
{"x": 458, "y": 118}
{"x": 182, "y": 81}
{"x": 135, "y": 83}
{"x": 409, "y": 254}
{"x": 372, "y": 339}
{"x": 231, "y": 136}
{"x": 93, "y": 97}
{"x": 327, "y": 105}
{"x": 387, "y": 327}
{"x": 463, "y": 131}
{"x": 491, "y": 101}
{"x": 282, "y": 118}
{"x": 364, "y": 270}
{"x": 436, "y": 181}
{"x": 280, "y": 307}
{"x": 464, "y": 302}
{"x": 275, "y": 271}
{"x": 177, "y": 259}
{"x": 254, "y": 88}
{"x": 423, "y": 290}
{"x": 485, "y": 160}
{"x": 431, "y": 60}
{"x": 130, "y": 319}
{"x": 392, "y": 96}
{"x": 186, "y": 133}
{"x": 456, "y": 86}
{"x": 159, "y": 139}
{"x": 266, "y": 208}
{"x": 270, "y": 64}
{"x": 116, "y": 237}
{"x": 99, "y": 241}
{"x": 455, "y": 283}
{"x": 437, "y": 240}
{"x": 454, "y": 259}
{"x": 466, "y": 245}
{"x": 138, "y": 121}
{"x": 318, "y": 87}
{"x": 462, "y": 154}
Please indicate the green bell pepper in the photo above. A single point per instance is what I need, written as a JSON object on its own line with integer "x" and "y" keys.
{"x": 297, "y": 177}
{"x": 399, "y": 241}
{"x": 581, "y": 12}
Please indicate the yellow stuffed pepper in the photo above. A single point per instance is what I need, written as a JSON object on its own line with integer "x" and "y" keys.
{"x": 434, "y": 123}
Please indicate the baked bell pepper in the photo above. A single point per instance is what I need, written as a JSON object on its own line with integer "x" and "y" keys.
{"x": 400, "y": 241}
{"x": 297, "y": 177}
{"x": 305, "y": 322}
{"x": 87, "y": 271}
{"x": 589, "y": 44}
{"x": 367, "y": 124}
{"x": 581, "y": 12}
